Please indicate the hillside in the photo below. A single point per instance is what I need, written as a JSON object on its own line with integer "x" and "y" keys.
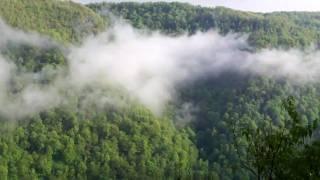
{"x": 283, "y": 29}
{"x": 64, "y": 21}
{"x": 80, "y": 138}
{"x": 82, "y": 108}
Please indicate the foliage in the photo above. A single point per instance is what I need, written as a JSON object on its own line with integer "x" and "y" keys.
{"x": 34, "y": 58}
{"x": 64, "y": 21}
{"x": 271, "y": 149}
{"x": 249, "y": 101}
{"x": 89, "y": 142}
{"x": 67, "y": 144}
{"x": 265, "y": 30}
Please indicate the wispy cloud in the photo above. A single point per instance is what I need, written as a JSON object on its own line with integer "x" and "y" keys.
{"x": 148, "y": 67}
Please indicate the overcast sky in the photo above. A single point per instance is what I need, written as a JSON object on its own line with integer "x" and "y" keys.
{"x": 248, "y": 5}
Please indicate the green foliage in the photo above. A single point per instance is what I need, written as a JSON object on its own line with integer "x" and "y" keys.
{"x": 249, "y": 101}
{"x": 271, "y": 149}
{"x": 127, "y": 144}
{"x": 76, "y": 142}
{"x": 265, "y": 30}
{"x": 33, "y": 58}
{"x": 64, "y": 21}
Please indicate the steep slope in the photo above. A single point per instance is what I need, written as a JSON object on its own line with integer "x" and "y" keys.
{"x": 65, "y": 144}
{"x": 266, "y": 30}
{"x": 229, "y": 99}
{"x": 78, "y": 140}
{"x": 84, "y": 139}
{"x": 62, "y": 20}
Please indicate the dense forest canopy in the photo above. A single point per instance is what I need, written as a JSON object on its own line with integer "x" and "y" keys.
{"x": 212, "y": 128}
{"x": 61, "y": 20}
{"x": 286, "y": 29}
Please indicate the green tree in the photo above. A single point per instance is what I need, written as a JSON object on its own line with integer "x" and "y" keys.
{"x": 271, "y": 149}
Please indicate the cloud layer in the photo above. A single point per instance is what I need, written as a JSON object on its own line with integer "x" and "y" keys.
{"x": 149, "y": 67}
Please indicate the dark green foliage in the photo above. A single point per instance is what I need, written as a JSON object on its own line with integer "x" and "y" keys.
{"x": 32, "y": 58}
{"x": 249, "y": 101}
{"x": 265, "y": 30}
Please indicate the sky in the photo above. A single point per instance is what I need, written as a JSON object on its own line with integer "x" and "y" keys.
{"x": 247, "y": 5}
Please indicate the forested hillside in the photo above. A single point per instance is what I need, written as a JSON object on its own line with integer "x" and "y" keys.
{"x": 62, "y": 20}
{"x": 56, "y": 125}
{"x": 286, "y": 29}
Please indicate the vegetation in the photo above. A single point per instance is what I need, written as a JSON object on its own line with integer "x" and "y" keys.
{"x": 33, "y": 58}
{"x": 65, "y": 21}
{"x": 265, "y": 30}
{"x": 233, "y": 103}
{"x": 67, "y": 144}
{"x": 275, "y": 151}
{"x": 241, "y": 120}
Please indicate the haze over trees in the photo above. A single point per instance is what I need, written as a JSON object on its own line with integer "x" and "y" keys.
{"x": 284, "y": 29}
{"x": 233, "y": 125}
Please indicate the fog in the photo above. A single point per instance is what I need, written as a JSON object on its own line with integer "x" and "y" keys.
{"x": 15, "y": 35}
{"x": 150, "y": 67}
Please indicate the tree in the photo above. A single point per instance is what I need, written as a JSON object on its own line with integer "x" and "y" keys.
{"x": 271, "y": 148}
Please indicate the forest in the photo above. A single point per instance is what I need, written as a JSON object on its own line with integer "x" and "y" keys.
{"x": 237, "y": 125}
